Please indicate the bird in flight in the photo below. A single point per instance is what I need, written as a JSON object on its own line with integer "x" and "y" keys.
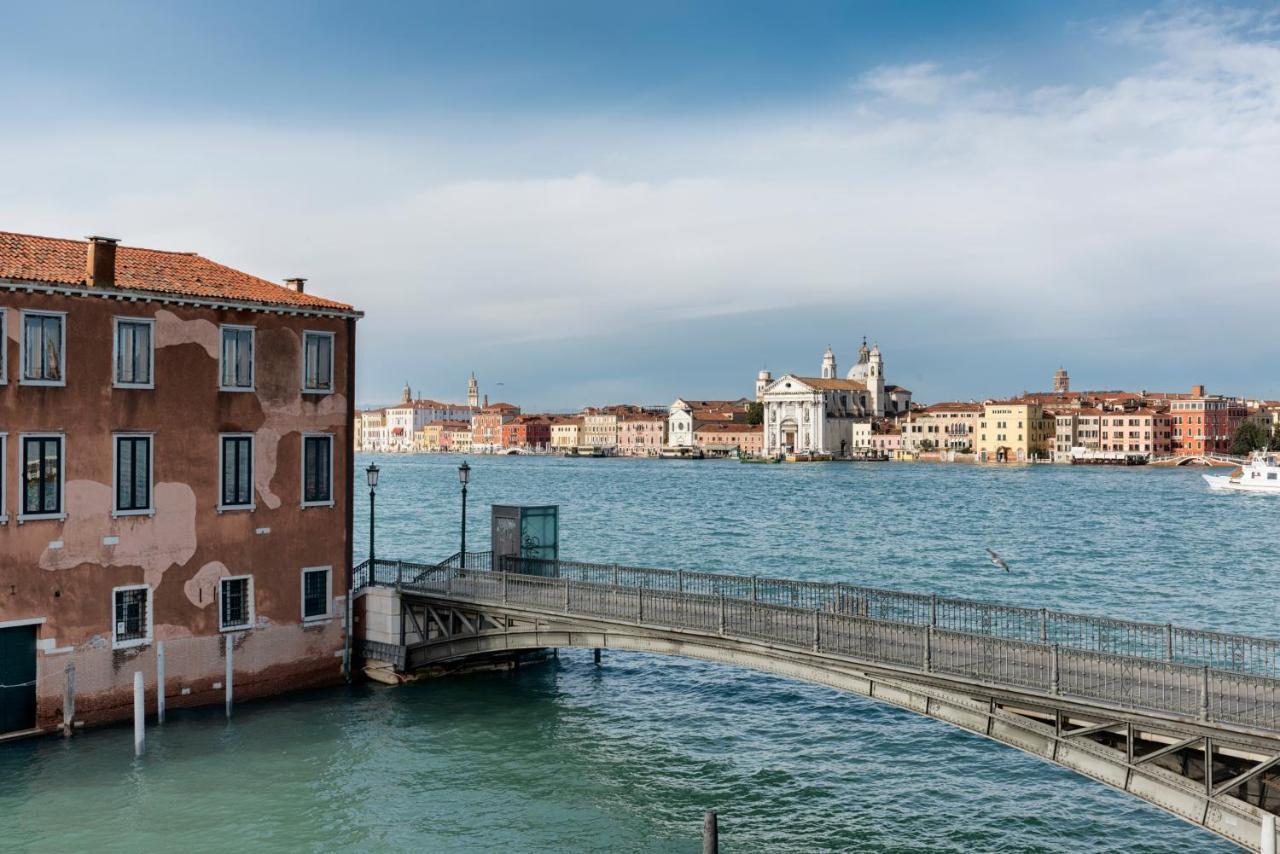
{"x": 998, "y": 561}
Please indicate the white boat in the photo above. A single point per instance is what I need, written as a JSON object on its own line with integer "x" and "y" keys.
{"x": 1260, "y": 474}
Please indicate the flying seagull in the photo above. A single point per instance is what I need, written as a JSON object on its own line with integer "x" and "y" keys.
{"x": 998, "y": 561}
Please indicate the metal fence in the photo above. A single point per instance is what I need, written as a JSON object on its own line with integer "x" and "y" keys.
{"x": 1159, "y": 641}
{"x": 1123, "y": 664}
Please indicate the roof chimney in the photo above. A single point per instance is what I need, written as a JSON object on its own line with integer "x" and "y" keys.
{"x": 295, "y": 285}
{"x": 100, "y": 267}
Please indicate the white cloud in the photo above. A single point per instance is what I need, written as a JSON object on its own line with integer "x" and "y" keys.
{"x": 920, "y": 83}
{"x": 1151, "y": 196}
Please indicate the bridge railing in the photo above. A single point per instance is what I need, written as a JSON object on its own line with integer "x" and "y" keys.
{"x": 1194, "y": 692}
{"x": 1156, "y": 641}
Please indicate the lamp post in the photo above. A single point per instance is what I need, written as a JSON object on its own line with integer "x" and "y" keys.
{"x": 464, "y": 477}
{"x": 371, "y": 475}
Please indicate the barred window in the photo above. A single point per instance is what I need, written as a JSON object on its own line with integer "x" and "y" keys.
{"x": 315, "y": 593}
{"x": 132, "y": 616}
{"x": 235, "y": 606}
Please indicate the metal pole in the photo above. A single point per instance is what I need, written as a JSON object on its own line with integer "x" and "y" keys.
{"x": 69, "y": 699}
{"x": 817, "y": 631}
{"x": 1208, "y": 766}
{"x": 346, "y": 646}
{"x": 1054, "y": 675}
{"x": 928, "y": 649}
{"x": 1268, "y": 842}
{"x": 463, "y": 551}
{"x": 1204, "y": 693}
{"x": 710, "y": 833}
{"x": 372, "y": 567}
{"x": 1168, "y": 641}
{"x": 722, "y": 614}
{"x": 139, "y": 712}
{"x": 566, "y": 594}
{"x": 160, "y": 682}
{"x": 595, "y": 654}
{"x": 230, "y": 670}
{"x": 1044, "y": 625}
{"x": 640, "y": 605}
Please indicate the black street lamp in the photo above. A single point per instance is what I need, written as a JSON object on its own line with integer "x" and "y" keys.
{"x": 464, "y": 477}
{"x": 371, "y": 475}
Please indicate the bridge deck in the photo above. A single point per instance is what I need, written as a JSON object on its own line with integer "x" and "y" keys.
{"x": 1110, "y": 674}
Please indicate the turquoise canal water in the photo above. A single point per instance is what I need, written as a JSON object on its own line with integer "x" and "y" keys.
{"x": 625, "y": 757}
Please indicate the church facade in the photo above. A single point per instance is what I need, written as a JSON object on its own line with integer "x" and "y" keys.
{"x": 819, "y": 415}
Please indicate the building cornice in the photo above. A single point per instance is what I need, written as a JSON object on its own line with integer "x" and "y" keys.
{"x": 118, "y": 294}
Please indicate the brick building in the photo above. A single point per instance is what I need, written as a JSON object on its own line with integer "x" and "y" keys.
{"x": 176, "y": 453}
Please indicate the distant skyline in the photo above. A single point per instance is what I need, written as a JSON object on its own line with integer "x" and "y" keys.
{"x": 599, "y": 203}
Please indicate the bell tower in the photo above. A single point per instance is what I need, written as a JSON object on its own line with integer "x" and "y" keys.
{"x": 875, "y": 380}
{"x": 828, "y": 365}
{"x": 1061, "y": 382}
{"x": 473, "y": 391}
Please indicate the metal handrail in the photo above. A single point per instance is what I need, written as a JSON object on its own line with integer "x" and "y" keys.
{"x": 1188, "y": 691}
{"x": 1147, "y": 640}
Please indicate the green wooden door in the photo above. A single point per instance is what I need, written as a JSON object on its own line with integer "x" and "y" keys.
{"x": 17, "y": 678}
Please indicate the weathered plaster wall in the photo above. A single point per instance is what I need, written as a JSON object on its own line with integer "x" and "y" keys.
{"x": 64, "y": 571}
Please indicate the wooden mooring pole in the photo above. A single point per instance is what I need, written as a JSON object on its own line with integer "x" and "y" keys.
{"x": 69, "y": 699}
{"x": 710, "y": 833}
{"x": 139, "y": 715}
{"x": 160, "y": 682}
{"x": 230, "y": 670}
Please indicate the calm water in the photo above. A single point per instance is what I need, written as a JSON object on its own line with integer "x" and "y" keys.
{"x": 625, "y": 757}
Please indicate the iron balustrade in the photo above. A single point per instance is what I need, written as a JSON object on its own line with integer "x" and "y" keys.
{"x": 1029, "y": 649}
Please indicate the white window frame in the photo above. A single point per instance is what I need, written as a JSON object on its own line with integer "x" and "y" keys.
{"x": 333, "y": 340}
{"x": 143, "y": 641}
{"x": 302, "y": 470}
{"x": 250, "y": 596}
{"x": 150, "y": 510}
{"x": 253, "y": 357}
{"x": 62, "y": 478}
{"x": 4, "y": 457}
{"x": 328, "y": 595}
{"x": 22, "y": 348}
{"x": 253, "y": 472}
{"x": 115, "y": 351}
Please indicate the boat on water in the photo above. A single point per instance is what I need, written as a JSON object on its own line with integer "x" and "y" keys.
{"x": 1260, "y": 474}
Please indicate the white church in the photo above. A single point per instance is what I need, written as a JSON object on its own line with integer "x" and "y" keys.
{"x": 817, "y": 415}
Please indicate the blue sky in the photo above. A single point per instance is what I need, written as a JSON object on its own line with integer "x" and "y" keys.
{"x": 591, "y": 202}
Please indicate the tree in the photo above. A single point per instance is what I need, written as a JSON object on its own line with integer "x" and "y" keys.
{"x": 755, "y": 413}
{"x": 1249, "y": 437}
{"x": 1274, "y": 444}
{"x": 926, "y": 445}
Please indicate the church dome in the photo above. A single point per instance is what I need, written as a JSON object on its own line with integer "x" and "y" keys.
{"x": 858, "y": 372}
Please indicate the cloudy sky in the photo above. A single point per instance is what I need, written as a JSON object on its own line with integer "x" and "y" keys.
{"x": 591, "y": 203}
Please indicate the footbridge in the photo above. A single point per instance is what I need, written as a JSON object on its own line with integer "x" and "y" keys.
{"x": 1186, "y": 719}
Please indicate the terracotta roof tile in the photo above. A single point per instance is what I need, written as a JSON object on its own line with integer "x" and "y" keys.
{"x": 58, "y": 261}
